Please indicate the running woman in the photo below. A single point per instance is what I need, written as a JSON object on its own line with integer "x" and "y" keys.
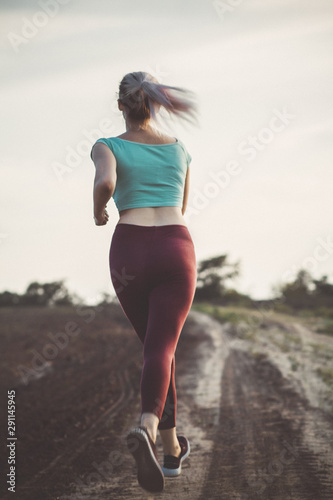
{"x": 152, "y": 256}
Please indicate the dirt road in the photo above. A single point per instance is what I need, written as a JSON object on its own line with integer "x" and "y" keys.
{"x": 259, "y": 428}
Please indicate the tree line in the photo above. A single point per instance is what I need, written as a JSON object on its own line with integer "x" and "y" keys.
{"x": 213, "y": 285}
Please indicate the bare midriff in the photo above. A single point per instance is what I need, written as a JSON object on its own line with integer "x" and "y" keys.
{"x": 152, "y": 216}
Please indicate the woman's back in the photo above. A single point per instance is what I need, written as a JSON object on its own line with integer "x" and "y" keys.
{"x": 151, "y": 173}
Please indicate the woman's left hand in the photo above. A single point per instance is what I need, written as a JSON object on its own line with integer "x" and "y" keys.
{"x": 101, "y": 219}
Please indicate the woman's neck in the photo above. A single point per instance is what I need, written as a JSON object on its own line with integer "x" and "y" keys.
{"x": 139, "y": 126}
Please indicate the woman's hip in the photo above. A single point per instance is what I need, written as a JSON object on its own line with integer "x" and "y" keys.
{"x": 153, "y": 249}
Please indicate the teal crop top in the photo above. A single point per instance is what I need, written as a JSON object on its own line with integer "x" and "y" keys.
{"x": 148, "y": 175}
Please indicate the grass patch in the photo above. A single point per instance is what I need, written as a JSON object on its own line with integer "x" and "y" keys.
{"x": 227, "y": 314}
{"x": 244, "y": 321}
{"x": 326, "y": 327}
{"x": 322, "y": 350}
{"x": 258, "y": 355}
{"x": 292, "y": 338}
{"x": 294, "y": 364}
{"x": 285, "y": 341}
{"x": 326, "y": 374}
{"x": 283, "y": 346}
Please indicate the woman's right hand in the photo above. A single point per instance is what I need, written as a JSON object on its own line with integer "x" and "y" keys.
{"x": 101, "y": 219}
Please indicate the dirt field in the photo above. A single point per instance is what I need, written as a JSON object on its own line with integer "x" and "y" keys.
{"x": 254, "y": 398}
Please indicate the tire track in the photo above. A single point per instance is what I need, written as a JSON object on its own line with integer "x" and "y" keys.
{"x": 263, "y": 448}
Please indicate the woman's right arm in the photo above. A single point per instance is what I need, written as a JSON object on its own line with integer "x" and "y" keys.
{"x": 105, "y": 179}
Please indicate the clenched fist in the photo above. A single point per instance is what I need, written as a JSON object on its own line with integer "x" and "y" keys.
{"x": 101, "y": 219}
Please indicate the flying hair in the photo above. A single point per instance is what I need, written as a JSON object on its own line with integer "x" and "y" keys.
{"x": 142, "y": 96}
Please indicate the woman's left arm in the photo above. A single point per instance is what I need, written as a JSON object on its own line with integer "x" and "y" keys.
{"x": 105, "y": 181}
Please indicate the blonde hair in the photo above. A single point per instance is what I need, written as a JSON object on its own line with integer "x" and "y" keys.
{"x": 142, "y": 95}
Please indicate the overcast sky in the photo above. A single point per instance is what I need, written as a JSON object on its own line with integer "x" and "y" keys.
{"x": 261, "y": 174}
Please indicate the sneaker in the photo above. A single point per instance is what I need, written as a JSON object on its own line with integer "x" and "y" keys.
{"x": 143, "y": 449}
{"x": 172, "y": 465}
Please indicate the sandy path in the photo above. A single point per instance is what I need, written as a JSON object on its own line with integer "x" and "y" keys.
{"x": 198, "y": 386}
{"x": 251, "y": 403}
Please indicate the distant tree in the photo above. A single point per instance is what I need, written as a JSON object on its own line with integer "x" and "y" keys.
{"x": 323, "y": 287}
{"x": 323, "y": 292}
{"x": 9, "y": 299}
{"x": 232, "y": 297}
{"x": 212, "y": 275}
{"x": 298, "y": 294}
{"x": 47, "y": 294}
{"x": 107, "y": 299}
{"x": 39, "y": 294}
{"x": 34, "y": 295}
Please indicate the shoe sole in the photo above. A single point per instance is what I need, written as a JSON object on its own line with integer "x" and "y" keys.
{"x": 150, "y": 475}
{"x": 176, "y": 472}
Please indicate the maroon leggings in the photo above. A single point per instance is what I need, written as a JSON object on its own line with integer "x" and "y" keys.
{"x": 153, "y": 271}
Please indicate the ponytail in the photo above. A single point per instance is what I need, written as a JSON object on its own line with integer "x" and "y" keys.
{"x": 142, "y": 95}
